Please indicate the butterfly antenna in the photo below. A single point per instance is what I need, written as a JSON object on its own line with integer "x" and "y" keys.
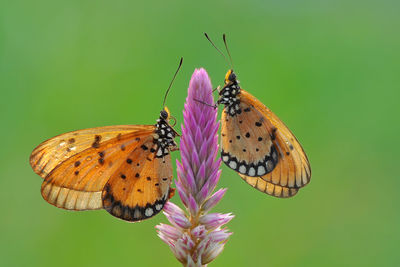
{"x": 227, "y": 50}
{"x": 208, "y": 38}
{"x": 169, "y": 87}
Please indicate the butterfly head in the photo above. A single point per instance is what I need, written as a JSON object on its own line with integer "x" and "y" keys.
{"x": 165, "y": 114}
{"x": 230, "y": 77}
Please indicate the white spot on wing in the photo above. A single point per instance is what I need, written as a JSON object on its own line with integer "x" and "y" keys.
{"x": 242, "y": 169}
{"x": 274, "y": 155}
{"x": 148, "y": 212}
{"x": 252, "y": 171}
{"x": 269, "y": 165}
{"x": 225, "y": 158}
{"x": 159, "y": 207}
{"x": 233, "y": 164}
{"x": 137, "y": 214}
{"x": 260, "y": 170}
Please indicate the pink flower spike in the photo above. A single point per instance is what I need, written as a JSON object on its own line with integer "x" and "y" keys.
{"x": 212, "y": 252}
{"x": 171, "y": 208}
{"x": 214, "y": 220}
{"x": 182, "y": 193}
{"x": 166, "y": 239}
{"x": 199, "y": 231}
{"x": 178, "y": 220}
{"x": 219, "y": 235}
{"x": 195, "y": 237}
{"x": 169, "y": 231}
{"x": 193, "y": 208}
{"x": 213, "y": 200}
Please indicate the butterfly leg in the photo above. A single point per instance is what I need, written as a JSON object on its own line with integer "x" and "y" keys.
{"x": 204, "y": 103}
{"x": 171, "y": 192}
{"x": 217, "y": 89}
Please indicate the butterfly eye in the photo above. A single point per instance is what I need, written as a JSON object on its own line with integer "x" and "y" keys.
{"x": 164, "y": 114}
{"x": 232, "y": 76}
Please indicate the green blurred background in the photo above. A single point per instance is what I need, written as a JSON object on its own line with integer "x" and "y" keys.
{"x": 329, "y": 69}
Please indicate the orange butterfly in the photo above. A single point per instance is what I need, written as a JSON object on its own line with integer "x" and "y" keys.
{"x": 257, "y": 144}
{"x": 124, "y": 169}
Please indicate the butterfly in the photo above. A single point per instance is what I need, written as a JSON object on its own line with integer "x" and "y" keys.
{"x": 123, "y": 169}
{"x": 257, "y": 144}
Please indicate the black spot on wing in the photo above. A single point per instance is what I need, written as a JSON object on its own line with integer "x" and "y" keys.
{"x": 96, "y": 143}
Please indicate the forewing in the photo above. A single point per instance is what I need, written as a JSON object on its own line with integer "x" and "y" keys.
{"x": 76, "y": 182}
{"x": 140, "y": 187}
{"x": 292, "y": 169}
{"x": 56, "y": 150}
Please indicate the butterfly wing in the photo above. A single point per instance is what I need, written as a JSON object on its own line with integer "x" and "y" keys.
{"x": 52, "y": 152}
{"x": 140, "y": 187}
{"x": 269, "y": 188}
{"x": 75, "y": 172}
{"x": 256, "y": 143}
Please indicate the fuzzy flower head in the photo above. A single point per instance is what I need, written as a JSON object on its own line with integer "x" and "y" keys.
{"x": 195, "y": 236}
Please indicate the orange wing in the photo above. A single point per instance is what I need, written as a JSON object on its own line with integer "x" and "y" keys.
{"x": 269, "y": 188}
{"x": 77, "y": 165}
{"x": 247, "y": 144}
{"x": 46, "y": 156}
{"x": 256, "y": 143}
{"x": 140, "y": 187}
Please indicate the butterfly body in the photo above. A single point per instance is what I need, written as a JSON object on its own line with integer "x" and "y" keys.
{"x": 258, "y": 145}
{"x": 125, "y": 170}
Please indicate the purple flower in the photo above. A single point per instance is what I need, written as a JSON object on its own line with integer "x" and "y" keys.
{"x": 195, "y": 237}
